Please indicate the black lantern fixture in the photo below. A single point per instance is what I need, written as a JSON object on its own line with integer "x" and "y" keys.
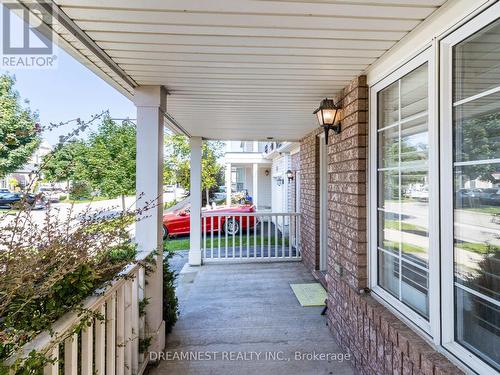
{"x": 289, "y": 175}
{"x": 327, "y": 114}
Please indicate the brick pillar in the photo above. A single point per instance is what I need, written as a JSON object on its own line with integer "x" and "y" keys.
{"x": 309, "y": 200}
{"x": 347, "y": 189}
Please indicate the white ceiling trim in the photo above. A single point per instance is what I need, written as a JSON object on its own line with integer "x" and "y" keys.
{"x": 239, "y": 69}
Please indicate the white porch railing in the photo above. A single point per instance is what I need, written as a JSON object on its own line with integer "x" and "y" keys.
{"x": 109, "y": 341}
{"x": 256, "y": 236}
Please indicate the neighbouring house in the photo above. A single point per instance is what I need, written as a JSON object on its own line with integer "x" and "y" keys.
{"x": 24, "y": 175}
{"x": 386, "y": 223}
{"x": 248, "y": 171}
{"x": 285, "y": 180}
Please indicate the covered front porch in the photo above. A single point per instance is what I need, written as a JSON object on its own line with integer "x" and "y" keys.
{"x": 244, "y": 318}
{"x": 255, "y": 71}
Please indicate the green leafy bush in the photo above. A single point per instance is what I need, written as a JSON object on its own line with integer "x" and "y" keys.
{"x": 80, "y": 190}
{"x": 167, "y": 205}
{"x": 170, "y": 302}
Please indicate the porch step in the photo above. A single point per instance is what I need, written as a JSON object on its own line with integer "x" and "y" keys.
{"x": 188, "y": 274}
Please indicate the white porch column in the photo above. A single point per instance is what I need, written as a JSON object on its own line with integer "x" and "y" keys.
{"x": 151, "y": 105}
{"x": 228, "y": 184}
{"x": 255, "y": 181}
{"x": 195, "y": 192}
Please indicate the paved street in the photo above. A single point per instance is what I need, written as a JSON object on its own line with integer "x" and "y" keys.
{"x": 64, "y": 209}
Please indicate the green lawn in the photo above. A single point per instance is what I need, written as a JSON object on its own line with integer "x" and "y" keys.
{"x": 8, "y": 211}
{"x": 484, "y": 209}
{"x": 407, "y": 248}
{"x": 405, "y": 227}
{"x": 90, "y": 200}
{"x": 176, "y": 244}
{"x": 480, "y": 248}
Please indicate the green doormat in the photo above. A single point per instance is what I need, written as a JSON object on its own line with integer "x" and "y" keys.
{"x": 309, "y": 294}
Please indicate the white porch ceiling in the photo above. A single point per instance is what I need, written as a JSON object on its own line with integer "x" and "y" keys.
{"x": 242, "y": 69}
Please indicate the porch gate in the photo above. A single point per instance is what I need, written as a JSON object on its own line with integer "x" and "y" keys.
{"x": 250, "y": 237}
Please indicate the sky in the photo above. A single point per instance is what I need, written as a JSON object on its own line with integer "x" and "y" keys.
{"x": 66, "y": 92}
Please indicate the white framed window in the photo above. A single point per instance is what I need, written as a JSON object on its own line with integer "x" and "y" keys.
{"x": 404, "y": 238}
{"x": 470, "y": 192}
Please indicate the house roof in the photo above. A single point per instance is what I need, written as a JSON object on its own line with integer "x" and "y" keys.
{"x": 236, "y": 69}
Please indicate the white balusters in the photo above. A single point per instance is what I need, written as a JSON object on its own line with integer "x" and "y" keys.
{"x": 248, "y": 218}
{"x": 225, "y": 233}
{"x": 204, "y": 226}
{"x": 211, "y": 236}
{"x": 134, "y": 326}
{"x": 283, "y": 237}
{"x": 52, "y": 368}
{"x": 120, "y": 331}
{"x": 241, "y": 237}
{"x": 128, "y": 328}
{"x": 269, "y": 224}
{"x": 261, "y": 235}
{"x": 109, "y": 342}
{"x": 218, "y": 232}
{"x": 71, "y": 355}
{"x": 87, "y": 349}
{"x": 111, "y": 334}
{"x": 234, "y": 233}
{"x": 100, "y": 341}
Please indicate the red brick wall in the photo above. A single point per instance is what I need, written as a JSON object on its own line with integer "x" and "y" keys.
{"x": 347, "y": 188}
{"x": 309, "y": 200}
{"x": 379, "y": 342}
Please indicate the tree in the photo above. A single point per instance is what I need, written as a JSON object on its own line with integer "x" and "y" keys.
{"x": 65, "y": 162}
{"x": 106, "y": 160}
{"x": 177, "y": 163}
{"x": 111, "y": 159}
{"x": 479, "y": 139}
{"x": 19, "y": 132}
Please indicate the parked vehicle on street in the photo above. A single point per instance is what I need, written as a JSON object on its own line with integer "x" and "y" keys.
{"x": 4, "y": 190}
{"x": 421, "y": 194}
{"x": 490, "y": 196}
{"x": 10, "y": 200}
{"x": 178, "y": 223}
{"x": 466, "y": 198}
{"x": 51, "y": 195}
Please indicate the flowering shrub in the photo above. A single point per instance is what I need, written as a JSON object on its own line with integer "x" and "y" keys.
{"x": 49, "y": 267}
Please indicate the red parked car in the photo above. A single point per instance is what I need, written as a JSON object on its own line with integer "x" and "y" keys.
{"x": 176, "y": 223}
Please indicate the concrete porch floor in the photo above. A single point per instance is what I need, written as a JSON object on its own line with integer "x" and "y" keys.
{"x": 249, "y": 308}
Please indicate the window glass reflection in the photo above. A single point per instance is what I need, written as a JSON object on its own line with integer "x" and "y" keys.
{"x": 403, "y": 190}
{"x": 476, "y": 179}
{"x": 388, "y": 105}
{"x": 476, "y": 63}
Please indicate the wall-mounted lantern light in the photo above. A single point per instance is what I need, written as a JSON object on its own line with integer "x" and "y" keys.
{"x": 266, "y": 172}
{"x": 327, "y": 114}
{"x": 289, "y": 175}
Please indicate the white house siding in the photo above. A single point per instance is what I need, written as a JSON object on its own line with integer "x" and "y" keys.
{"x": 249, "y": 180}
